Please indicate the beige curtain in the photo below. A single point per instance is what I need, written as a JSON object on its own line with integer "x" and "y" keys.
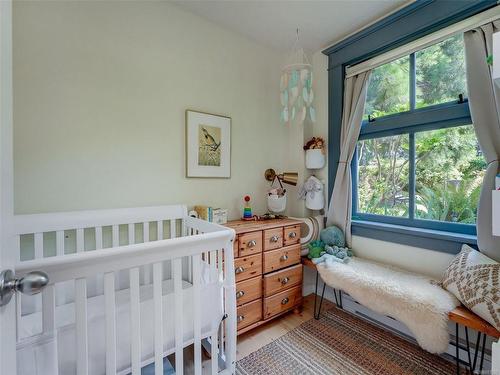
{"x": 484, "y": 101}
{"x": 339, "y": 211}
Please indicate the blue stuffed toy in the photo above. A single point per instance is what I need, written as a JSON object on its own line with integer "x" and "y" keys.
{"x": 334, "y": 247}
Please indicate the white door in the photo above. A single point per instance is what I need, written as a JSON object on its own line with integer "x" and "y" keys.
{"x": 7, "y": 312}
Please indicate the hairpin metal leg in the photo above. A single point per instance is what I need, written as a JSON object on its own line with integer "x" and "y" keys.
{"x": 476, "y": 351}
{"x": 468, "y": 350}
{"x": 335, "y": 295}
{"x": 457, "y": 353}
{"x": 482, "y": 354}
{"x": 316, "y": 314}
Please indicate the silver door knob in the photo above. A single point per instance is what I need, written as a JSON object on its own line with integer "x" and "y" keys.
{"x": 292, "y": 235}
{"x": 274, "y": 239}
{"x": 284, "y": 280}
{"x": 284, "y": 257}
{"x": 284, "y": 301}
{"x": 30, "y": 284}
{"x": 239, "y": 270}
{"x": 252, "y": 243}
{"x": 240, "y": 318}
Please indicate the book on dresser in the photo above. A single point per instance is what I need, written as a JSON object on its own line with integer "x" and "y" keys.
{"x": 268, "y": 270}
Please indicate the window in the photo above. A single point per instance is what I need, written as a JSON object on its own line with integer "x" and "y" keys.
{"x": 418, "y": 162}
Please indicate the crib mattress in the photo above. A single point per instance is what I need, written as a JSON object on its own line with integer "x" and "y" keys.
{"x": 36, "y": 354}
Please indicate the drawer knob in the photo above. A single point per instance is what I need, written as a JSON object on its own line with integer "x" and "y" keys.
{"x": 292, "y": 235}
{"x": 284, "y": 257}
{"x": 240, "y": 294}
{"x": 239, "y": 270}
{"x": 284, "y": 280}
{"x": 284, "y": 301}
{"x": 274, "y": 239}
{"x": 251, "y": 243}
{"x": 240, "y": 318}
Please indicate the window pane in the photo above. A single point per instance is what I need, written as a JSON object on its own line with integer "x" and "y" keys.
{"x": 449, "y": 173}
{"x": 389, "y": 89}
{"x": 441, "y": 72}
{"x": 383, "y": 176}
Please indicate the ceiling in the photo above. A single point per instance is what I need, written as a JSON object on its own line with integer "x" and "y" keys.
{"x": 274, "y": 22}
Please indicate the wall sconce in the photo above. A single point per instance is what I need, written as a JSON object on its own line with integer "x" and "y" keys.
{"x": 289, "y": 178}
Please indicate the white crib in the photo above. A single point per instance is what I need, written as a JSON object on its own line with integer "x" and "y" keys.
{"x": 128, "y": 287}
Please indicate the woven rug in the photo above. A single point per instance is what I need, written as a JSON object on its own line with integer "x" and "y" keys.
{"x": 340, "y": 343}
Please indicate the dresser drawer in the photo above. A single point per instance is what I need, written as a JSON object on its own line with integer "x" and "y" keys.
{"x": 248, "y": 290}
{"x": 249, "y": 313}
{"x": 273, "y": 238}
{"x": 248, "y": 267}
{"x": 280, "y": 280}
{"x": 277, "y": 259}
{"x": 291, "y": 235}
{"x": 282, "y": 301}
{"x": 235, "y": 247}
{"x": 250, "y": 243}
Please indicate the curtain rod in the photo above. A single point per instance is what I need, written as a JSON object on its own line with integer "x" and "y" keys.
{"x": 426, "y": 41}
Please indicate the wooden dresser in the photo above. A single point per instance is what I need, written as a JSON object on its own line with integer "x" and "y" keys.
{"x": 268, "y": 270}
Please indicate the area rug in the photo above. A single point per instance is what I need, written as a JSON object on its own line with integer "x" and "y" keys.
{"x": 340, "y": 343}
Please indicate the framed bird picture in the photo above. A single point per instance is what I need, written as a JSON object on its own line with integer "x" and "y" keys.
{"x": 208, "y": 145}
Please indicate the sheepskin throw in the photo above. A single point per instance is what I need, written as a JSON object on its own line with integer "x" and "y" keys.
{"x": 415, "y": 300}
{"x": 475, "y": 280}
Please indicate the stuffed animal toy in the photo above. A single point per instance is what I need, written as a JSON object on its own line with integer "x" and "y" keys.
{"x": 334, "y": 249}
{"x": 316, "y": 249}
{"x": 332, "y": 236}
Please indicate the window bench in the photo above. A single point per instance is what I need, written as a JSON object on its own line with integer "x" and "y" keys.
{"x": 459, "y": 315}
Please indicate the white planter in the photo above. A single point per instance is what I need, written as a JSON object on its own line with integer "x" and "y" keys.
{"x": 276, "y": 203}
{"x": 315, "y": 159}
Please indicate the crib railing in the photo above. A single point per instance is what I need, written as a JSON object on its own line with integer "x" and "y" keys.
{"x": 178, "y": 258}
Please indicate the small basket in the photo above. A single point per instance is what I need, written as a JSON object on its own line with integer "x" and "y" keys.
{"x": 276, "y": 203}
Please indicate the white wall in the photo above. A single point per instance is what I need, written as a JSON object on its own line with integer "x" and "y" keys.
{"x": 100, "y": 92}
{"x": 429, "y": 262}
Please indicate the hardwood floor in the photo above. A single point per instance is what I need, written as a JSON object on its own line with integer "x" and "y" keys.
{"x": 261, "y": 336}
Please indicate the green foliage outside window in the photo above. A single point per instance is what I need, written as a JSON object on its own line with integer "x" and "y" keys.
{"x": 449, "y": 165}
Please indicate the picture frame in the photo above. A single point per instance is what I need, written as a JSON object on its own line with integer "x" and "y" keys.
{"x": 208, "y": 145}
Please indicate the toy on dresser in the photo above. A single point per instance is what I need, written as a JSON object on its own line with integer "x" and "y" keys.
{"x": 247, "y": 210}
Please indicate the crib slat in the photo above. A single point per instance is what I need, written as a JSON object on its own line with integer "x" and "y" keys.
{"x": 196, "y": 259}
{"x": 145, "y": 226}
{"x": 158, "y": 316}
{"x": 18, "y": 315}
{"x": 98, "y": 238}
{"x": 177, "y": 272}
{"x": 131, "y": 234}
{"x": 220, "y": 271}
{"x": 214, "y": 354}
{"x": 160, "y": 230}
{"x": 135, "y": 322}
{"x": 82, "y": 366}
{"x": 147, "y": 268}
{"x": 184, "y": 228}
{"x": 38, "y": 245}
{"x": 80, "y": 240}
{"x": 60, "y": 242}
{"x": 116, "y": 235}
{"x": 173, "y": 230}
{"x": 48, "y": 308}
{"x": 110, "y": 306}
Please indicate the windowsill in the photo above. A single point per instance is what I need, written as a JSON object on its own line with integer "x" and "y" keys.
{"x": 448, "y": 242}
